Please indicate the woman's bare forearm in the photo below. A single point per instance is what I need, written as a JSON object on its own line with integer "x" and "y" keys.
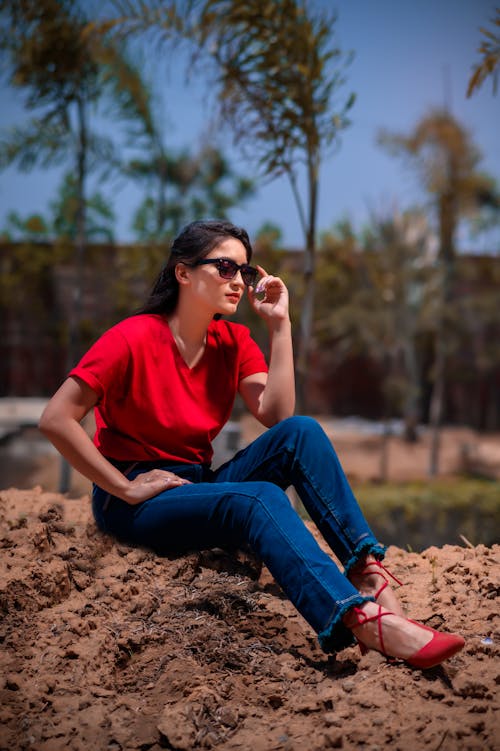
{"x": 278, "y": 397}
{"x": 71, "y": 440}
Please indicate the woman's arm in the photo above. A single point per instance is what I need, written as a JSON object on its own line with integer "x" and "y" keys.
{"x": 271, "y": 397}
{"x": 60, "y": 423}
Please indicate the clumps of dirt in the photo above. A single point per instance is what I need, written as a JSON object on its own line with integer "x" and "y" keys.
{"x": 109, "y": 647}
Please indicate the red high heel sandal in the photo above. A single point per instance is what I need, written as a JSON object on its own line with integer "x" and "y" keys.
{"x": 441, "y": 647}
{"x": 382, "y": 571}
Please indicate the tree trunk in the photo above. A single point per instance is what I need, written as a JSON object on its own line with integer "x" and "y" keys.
{"x": 384, "y": 451}
{"x": 412, "y": 399}
{"x": 161, "y": 208}
{"x": 447, "y": 227}
{"x": 75, "y": 315}
{"x": 436, "y": 408}
{"x": 305, "y": 331}
{"x": 307, "y": 313}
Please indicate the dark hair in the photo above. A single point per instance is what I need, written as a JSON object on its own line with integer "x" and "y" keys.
{"x": 195, "y": 241}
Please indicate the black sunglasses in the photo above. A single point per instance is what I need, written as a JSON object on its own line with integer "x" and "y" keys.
{"x": 228, "y": 269}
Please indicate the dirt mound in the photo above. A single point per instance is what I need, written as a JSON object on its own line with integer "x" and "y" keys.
{"x": 106, "y": 647}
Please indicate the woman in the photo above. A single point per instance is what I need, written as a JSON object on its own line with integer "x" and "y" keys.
{"x": 163, "y": 383}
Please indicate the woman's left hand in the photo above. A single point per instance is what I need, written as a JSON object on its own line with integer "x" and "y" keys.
{"x": 273, "y": 306}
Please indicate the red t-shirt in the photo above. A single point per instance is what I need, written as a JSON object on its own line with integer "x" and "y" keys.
{"x": 151, "y": 404}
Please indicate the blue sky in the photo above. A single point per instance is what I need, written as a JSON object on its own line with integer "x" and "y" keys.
{"x": 410, "y": 57}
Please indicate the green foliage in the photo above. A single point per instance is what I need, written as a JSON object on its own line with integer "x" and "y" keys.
{"x": 26, "y": 269}
{"x": 369, "y": 287}
{"x": 416, "y": 515}
{"x": 372, "y": 297}
{"x": 336, "y": 281}
{"x": 99, "y": 214}
{"x": 490, "y": 53}
{"x": 178, "y": 187}
{"x": 278, "y": 70}
{"x": 445, "y": 157}
{"x": 136, "y": 268}
{"x": 477, "y": 317}
{"x": 269, "y": 237}
{"x": 50, "y": 62}
{"x": 61, "y": 222}
{"x": 33, "y": 228}
{"x": 43, "y": 142}
{"x": 198, "y": 185}
{"x": 159, "y": 20}
{"x": 449, "y": 493}
{"x": 443, "y": 153}
{"x": 48, "y": 56}
{"x": 420, "y": 514}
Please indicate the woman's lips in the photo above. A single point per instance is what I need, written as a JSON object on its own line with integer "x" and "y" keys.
{"x": 233, "y": 298}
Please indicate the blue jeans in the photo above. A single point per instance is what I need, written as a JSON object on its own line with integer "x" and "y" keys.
{"x": 244, "y": 503}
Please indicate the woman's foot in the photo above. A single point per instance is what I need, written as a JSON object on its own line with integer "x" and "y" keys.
{"x": 371, "y": 579}
{"x": 396, "y": 636}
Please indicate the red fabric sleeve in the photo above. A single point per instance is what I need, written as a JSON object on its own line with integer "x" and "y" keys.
{"x": 104, "y": 365}
{"x": 252, "y": 359}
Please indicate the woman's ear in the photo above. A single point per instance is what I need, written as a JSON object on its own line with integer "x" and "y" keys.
{"x": 182, "y": 273}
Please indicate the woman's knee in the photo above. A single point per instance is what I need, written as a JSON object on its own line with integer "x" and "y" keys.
{"x": 264, "y": 509}
{"x": 302, "y": 427}
{"x": 300, "y": 424}
{"x": 261, "y": 499}
{"x": 265, "y": 493}
{"x": 246, "y": 511}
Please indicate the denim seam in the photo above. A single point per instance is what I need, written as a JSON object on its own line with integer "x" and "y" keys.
{"x": 358, "y": 546}
{"x": 326, "y": 505}
{"x": 313, "y": 573}
{"x": 290, "y": 451}
{"x": 353, "y": 544}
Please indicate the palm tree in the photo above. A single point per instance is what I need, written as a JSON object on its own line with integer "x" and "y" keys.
{"x": 178, "y": 186}
{"x": 447, "y": 161}
{"x": 61, "y": 74}
{"x": 372, "y": 293}
{"x": 490, "y": 53}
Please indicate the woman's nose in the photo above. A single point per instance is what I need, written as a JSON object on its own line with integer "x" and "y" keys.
{"x": 237, "y": 280}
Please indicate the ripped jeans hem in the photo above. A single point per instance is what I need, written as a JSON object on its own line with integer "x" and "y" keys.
{"x": 336, "y": 636}
{"x": 367, "y": 547}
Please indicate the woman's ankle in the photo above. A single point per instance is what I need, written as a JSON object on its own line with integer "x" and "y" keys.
{"x": 371, "y": 579}
{"x": 386, "y": 631}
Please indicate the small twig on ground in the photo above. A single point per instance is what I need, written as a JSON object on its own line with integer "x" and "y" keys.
{"x": 466, "y": 541}
{"x": 442, "y": 740}
{"x": 433, "y": 562}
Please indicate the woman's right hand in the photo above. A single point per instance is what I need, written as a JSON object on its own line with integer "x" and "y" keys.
{"x": 148, "y": 484}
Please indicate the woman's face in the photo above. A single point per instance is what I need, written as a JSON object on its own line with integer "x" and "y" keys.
{"x": 211, "y": 291}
